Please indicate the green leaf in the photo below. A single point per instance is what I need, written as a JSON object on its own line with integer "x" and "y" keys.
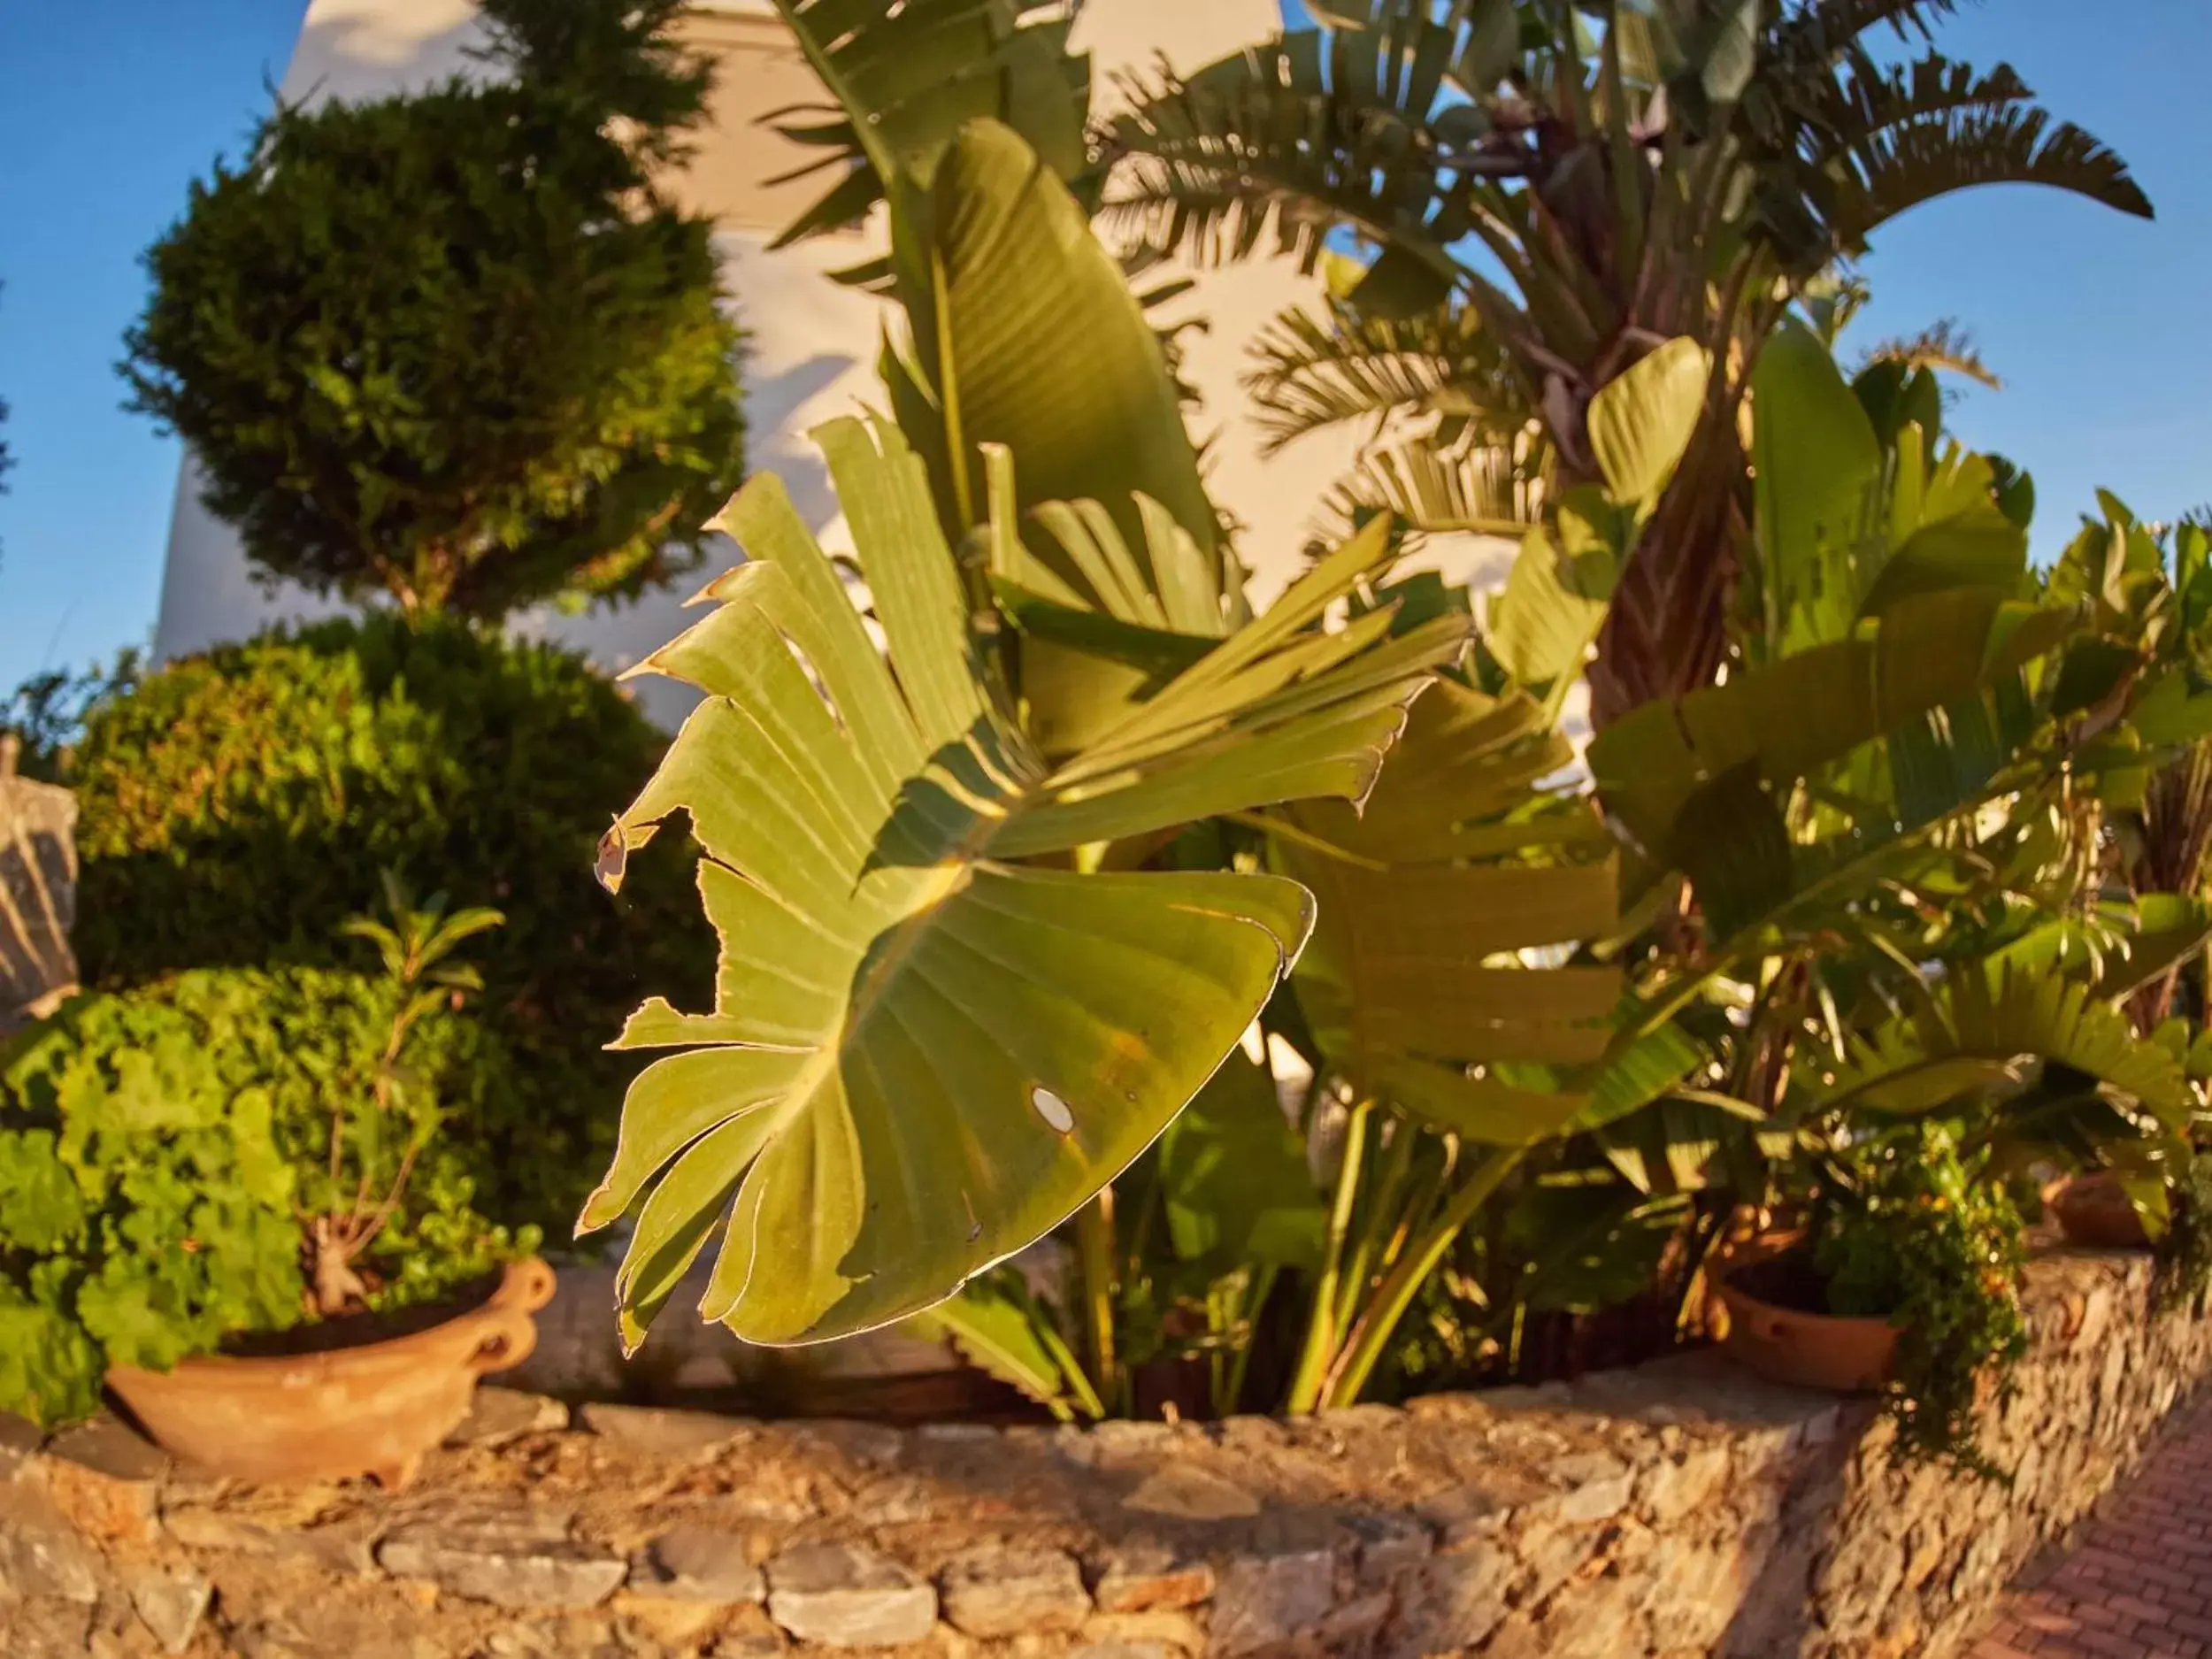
{"x": 1641, "y": 421}
{"x": 1233, "y": 1174}
{"x": 1002, "y": 1330}
{"x": 1982, "y": 1027}
{"x": 906, "y": 78}
{"x": 1025, "y": 334}
{"x": 921, "y": 1056}
{"x": 1818, "y": 466}
{"x": 1541, "y": 626}
{"x": 1789, "y": 717}
{"x": 1426, "y": 895}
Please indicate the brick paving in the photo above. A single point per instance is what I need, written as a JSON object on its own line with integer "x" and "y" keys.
{"x": 2139, "y": 1582}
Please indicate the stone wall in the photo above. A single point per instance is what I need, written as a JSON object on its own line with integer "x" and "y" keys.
{"x": 1680, "y": 1509}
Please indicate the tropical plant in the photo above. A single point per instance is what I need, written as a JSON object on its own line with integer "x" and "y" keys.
{"x": 1562, "y": 187}
{"x": 1065, "y": 832}
{"x": 457, "y": 348}
{"x": 236, "y": 807}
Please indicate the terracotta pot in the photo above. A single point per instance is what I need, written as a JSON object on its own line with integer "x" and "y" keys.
{"x": 373, "y": 1410}
{"x": 2093, "y": 1212}
{"x": 1805, "y": 1350}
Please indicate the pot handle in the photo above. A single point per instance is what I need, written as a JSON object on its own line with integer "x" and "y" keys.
{"x": 505, "y": 1336}
{"x": 525, "y": 1286}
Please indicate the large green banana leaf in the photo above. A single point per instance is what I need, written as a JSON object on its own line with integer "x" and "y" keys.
{"x": 921, "y": 1056}
{"x": 1847, "y": 529}
{"x": 1026, "y": 334}
{"x": 1425, "y": 895}
{"x": 1782, "y": 721}
{"x": 907, "y": 75}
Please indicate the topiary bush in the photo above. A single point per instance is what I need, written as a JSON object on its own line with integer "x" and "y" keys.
{"x": 457, "y": 346}
{"x": 235, "y": 808}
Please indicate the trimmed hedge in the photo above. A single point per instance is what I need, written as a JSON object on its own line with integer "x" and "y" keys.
{"x": 235, "y": 807}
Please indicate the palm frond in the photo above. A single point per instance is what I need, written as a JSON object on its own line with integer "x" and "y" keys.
{"x": 1904, "y": 166}
{"x": 1944, "y": 346}
{"x": 1863, "y": 98}
{"x": 1311, "y": 372}
{"x": 1480, "y": 489}
{"x": 1824, "y": 31}
{"x": 1298, "y": 137}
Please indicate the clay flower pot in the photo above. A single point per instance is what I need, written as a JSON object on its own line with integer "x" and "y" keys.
{"x": 1804, "y": 1350}
{"x": 2093, "y": 1212}
{"x": 373, "y": 1409}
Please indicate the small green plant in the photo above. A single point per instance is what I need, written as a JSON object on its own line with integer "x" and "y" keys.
{"x": 1907, "y": 1229}
{"x": 379, "y": 1127}
{"x": 149, "y": 1207}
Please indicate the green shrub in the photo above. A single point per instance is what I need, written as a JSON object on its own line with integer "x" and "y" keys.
{"x": 148, "y": 1209}
{"x": 236, "y": 807}
{"x": 455, "y": 346}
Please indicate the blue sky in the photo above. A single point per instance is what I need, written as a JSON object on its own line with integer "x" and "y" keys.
{"x": 107, "y": 109}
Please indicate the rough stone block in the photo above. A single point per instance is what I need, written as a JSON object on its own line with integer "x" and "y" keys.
{"x": 1674, "y": 1488}
{"x": 19, "y": 1440}
{"x": 877, "y": 1445}
{"x": 696, "y": 1563}
{"x": 40, "y": 1555}
{"x": 1598, "y": 1484}
{"x": 1390, "y": 1544}
{"x": 1190, "y": 1494}
{"x": 1178, "y": 1632}
{"x": 655, "y": 1432}
{"x": 171, "y": 1605}
{"x": 514, "y": 1565}
{"x": 1452, "y": 1601}
{"x": 1000, "y": 1590}
{"x": 1140, "y": 1578}
{"x": 843, "y": 1595}
{"x": 106, "y": 1479}
{"x": 1263, "y": 1601}
{"x": 499, "y": 1415}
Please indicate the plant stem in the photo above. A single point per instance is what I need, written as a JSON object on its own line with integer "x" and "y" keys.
{"x": 1095, "y": 1259}
{"x": 1349, "y": 1377}
{"x": 1263, "y": 1287}
{"x": 1383, "y": 1212}
{"x": 1320, "y": 1342}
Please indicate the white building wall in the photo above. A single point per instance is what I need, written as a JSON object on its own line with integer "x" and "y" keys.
{"x": 811, "y": 344}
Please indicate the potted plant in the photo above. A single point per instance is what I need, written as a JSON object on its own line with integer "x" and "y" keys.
{"x": 1902, "y": 1280}
{"x": 247, "y": 1216}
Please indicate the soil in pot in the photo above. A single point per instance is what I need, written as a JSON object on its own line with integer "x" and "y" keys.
{"x": 1775, "y": 1325}
{"x": 373, "y": 1407}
